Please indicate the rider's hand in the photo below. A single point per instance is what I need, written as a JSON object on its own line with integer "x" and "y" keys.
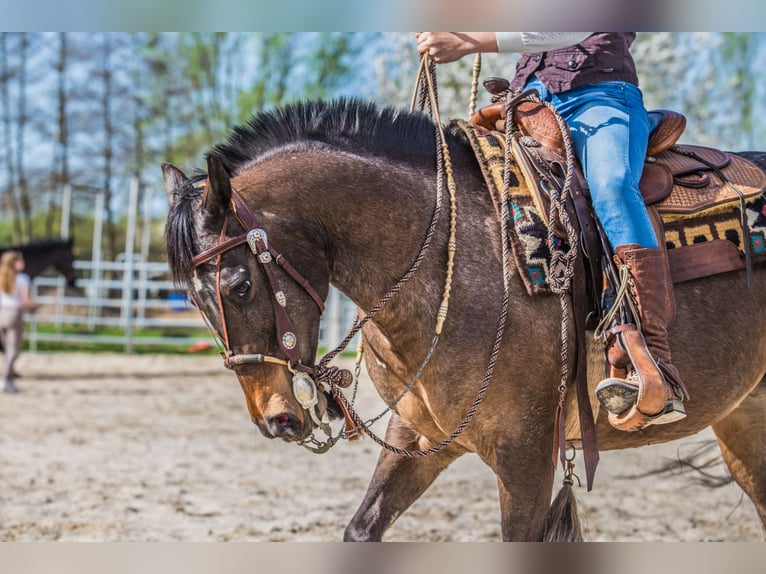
{"x": 445, "y": 47}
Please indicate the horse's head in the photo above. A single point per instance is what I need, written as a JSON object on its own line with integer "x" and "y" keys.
{"x": 264, "y": 311}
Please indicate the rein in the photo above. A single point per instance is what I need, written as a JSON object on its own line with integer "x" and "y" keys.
{"x": 425, "y": 88}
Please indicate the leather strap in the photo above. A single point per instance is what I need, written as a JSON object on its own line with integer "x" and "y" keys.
{"x": 703, "y": 259}
{"x": 590, "y": 241}
{"x": 266, "y": 256}
{"x": 222, "y": 247}
{"x": 580, "y": 311}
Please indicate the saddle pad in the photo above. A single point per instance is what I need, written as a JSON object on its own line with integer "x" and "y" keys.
{"x": 699, "y": 189}
{"x": 682, "y": 232}
{"x": 527, "y": 230}
{"x": 529, "y": 233}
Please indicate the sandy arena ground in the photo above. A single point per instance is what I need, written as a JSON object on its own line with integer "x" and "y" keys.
{"x": 161, "y": 448}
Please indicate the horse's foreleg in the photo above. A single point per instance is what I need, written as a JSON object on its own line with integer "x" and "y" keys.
{"x": 524, "y": 485}
{"x": 740, "y": 437}
{"x": 397, "y": 482}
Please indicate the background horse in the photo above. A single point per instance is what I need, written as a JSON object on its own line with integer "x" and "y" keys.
{"x": 40, "y": 255}
{"x": 345, "y": 193}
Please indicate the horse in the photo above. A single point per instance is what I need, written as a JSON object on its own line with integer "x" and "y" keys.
{"x": 40, "y": 255}
{"x": 342, "y": 193}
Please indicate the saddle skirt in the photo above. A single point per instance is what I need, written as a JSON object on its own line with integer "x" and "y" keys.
{"x": 698, "y": 193}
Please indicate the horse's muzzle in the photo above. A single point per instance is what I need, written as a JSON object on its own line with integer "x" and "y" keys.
{"x": 286, "y": 426}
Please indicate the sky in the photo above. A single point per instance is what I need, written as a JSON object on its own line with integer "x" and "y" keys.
{"x": 391, "y": 15}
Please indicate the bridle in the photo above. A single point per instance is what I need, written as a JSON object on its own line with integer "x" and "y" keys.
{"x": 304, "y": 387}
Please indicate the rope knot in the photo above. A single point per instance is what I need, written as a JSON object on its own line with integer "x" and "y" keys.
{"x": 335, "y": 377}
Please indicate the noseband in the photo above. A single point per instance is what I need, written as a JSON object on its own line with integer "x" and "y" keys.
{"x": 257, "y": 241}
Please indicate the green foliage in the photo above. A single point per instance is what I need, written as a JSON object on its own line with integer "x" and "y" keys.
{"x": 137, "y": 335}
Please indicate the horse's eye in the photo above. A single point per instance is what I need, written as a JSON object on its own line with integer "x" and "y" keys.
{"x": 243, "y": 288}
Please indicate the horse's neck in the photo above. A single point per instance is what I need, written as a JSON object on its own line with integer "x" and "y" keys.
{"x": 372, "y": 215}
{"x": 36, "y": 264}
{"x": 379, "y": 228}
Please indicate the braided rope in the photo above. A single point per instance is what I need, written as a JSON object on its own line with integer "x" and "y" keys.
{"x": 359, "y": 323}
{"x": 474, "y": 84}
{"x": 362, "y": 426}
{"x": 562, "y": 261}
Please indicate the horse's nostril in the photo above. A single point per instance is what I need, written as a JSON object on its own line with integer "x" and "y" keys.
{"x": 283, "y": 422}
{"x": 283, "y": 425}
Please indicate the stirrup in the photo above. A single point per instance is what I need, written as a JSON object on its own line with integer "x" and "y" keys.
{"x": 619, "y": 395}
{"x": 674, "y": 411}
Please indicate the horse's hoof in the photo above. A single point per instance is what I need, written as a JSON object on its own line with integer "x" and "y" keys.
{"x": 616, "y": 395}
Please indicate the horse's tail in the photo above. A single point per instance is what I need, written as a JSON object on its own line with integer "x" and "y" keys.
{"x": 562, "y": 523}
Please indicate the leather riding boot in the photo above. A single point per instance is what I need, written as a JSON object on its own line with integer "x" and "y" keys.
{"x": 653, "y": 392}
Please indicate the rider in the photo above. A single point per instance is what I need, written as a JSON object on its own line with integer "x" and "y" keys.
{"x": 591, "y": 80}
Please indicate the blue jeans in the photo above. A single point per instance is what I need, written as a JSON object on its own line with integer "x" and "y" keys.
{"x": 610, "y": 130}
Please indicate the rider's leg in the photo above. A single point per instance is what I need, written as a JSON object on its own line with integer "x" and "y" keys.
{"x": 609, "y": 127}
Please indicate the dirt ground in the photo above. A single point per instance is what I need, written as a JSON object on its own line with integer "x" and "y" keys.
{"x": 161, "y": 448}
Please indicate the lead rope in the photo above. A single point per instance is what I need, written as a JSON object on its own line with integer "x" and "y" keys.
{"x": 562, "y": 261}
{"x": 429, "y": 81}
{"x": 427, "y": 84}
{"x": 359, "y": 323}
{"x": 474, "y": 85}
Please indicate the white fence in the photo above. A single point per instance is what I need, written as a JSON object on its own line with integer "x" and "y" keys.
{"x": 138, "y": 297}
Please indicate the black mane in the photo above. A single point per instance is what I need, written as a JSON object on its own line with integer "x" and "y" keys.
{"x": 350, "y": 125}
{"x": 180, "y": 237}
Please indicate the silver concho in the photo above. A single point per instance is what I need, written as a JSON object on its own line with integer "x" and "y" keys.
{"x": 305, "y": 390}
{"x": 281, "y": 299}
{"x": 265, "y": 257}
{"x": 255, "y": 235}
{"x": 289, "y": 340}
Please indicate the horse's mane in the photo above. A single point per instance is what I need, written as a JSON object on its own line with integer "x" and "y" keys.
{"x": 347, "y": 124}
{"x": 180, "y": 235}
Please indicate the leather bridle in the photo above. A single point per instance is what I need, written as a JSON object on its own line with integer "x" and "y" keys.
{"x": 267, "y": 257}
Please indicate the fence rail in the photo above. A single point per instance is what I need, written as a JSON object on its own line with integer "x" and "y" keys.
{"x": 136, "y": 298}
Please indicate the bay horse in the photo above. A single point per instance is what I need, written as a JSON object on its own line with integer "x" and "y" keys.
{"x": 342, "y": 193}
{"x": 39, "y": 255}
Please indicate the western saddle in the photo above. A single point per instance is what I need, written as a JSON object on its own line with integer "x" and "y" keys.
{"x": 676, "y": 181}
{"x": 670, "y": 171}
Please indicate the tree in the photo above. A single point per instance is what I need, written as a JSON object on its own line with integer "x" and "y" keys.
{"x": 105, "y": 75}
{"x": 60, "y": 175}
{"x": 25, "y": 205}
{"x": 740, "y": 54}
{"x": 10, "y": 166}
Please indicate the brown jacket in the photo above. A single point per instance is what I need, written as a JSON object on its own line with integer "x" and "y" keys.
{"x": 600, "y": 57}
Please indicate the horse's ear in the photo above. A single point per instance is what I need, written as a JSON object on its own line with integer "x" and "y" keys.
{"x": 216, "y": 198}
{"x": 175, "y": 181}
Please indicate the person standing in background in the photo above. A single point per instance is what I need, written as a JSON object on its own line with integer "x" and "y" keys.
{"x": 14, "y": 300}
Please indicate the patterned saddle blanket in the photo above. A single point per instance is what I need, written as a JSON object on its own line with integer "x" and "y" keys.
{"x": 694, "y": 229}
